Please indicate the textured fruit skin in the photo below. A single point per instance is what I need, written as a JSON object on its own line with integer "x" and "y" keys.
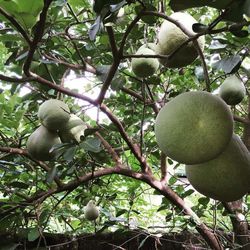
{"x": 194, "y": 127}
{"x": 40, "y": 142}
{"x": 170, "y": 37}
{"x": 232, "y": 90}
{"x": 91, "y": 212}
{"x": 144, "y": 67}
{"x": 225, "y": 178}
{"x": 73, "y": 130}
{"x": 54, "y": 114}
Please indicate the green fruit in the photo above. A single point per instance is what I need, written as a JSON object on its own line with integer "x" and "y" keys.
{"x": 40, "y": 143}
{"x": 54, "y": 114}
{"x": 144, "y": 67}
{"x": 91, "y": 212}
{"x": 74, "y": 129}
{"x": 225, "y": 178}
{"x": 194, "y": 127}
{"x": 170, "y": 37}
{"x": 232, "y": 90}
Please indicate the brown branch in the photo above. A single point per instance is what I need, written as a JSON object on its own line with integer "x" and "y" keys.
{"x": 14, "y": 79}
{"x": 164, "y": 168}
{"x": 24, "y": 152}
{"x": 85, "y": 67}
{"x": 241, "y": 119}
{"x": 37, "y": 37}
{"x": 204, "y": 65}
{"x": 117, "y": 57}
{"x": 133, "y": 147}
{"x": 110, "y": 149}
{"x": 16, "y": 25}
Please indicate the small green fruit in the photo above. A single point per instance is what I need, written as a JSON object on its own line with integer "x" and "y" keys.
{"x": 194, "y": 127}
{"x": 144, "y": 67}
{"x": 170, "y": 37}
{"x": 73, "y": 130}
{"x": 91, "y": 211}
{"x": 232, "y": 90}
{"x": 225, "y": 178}
{"x": 54, "y": 114}
{"x": 40, "y": 143}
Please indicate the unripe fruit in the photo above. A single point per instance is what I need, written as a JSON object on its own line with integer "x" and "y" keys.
{"x": 40, "y": 143}
{"x": 232, "y": 90}
{"x": 73, "y": 130}
{"x": 144, "y": 67}
{"x": 54, "y": 114}
{"x": 225, "y": 178}
{"x": 170, "y": 37}
{"x": 91, "y": 211}
{"x": 194, "y": 127}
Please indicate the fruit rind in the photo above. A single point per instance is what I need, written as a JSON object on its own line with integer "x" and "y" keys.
{"x": 40, "y": 143}
{"x": 144, "y": 67}
{"x": 225, "y": 178}
{"x": 54, "y": 114}
{"x": 194, "y": 127}
{"x": 170, "y": 37}
{"x": 232, "y": 90}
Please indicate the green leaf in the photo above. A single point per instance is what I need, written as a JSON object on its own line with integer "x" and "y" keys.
{"x": 230, "y": 64}
{"x": 51, "y": 174}
{"x": 92, "y": 145}
{"x": 70, "y": 153}
{"x": 33, "y": 234}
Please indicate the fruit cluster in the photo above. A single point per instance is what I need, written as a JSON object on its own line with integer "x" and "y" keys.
{"x": 172, "y": 43}
{"x": 57, "y": 125}
{"x": 196, "y": 128}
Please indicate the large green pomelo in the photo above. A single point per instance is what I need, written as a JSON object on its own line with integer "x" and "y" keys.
{"x": 232, "y": 90}
{"x": 40, "y": 143}
{"x": 144, "y": 67}
{"x": 194, "y": 127}
{"x": 225, "y": 178}
{"x": 170, "y": 37}
{"x": 54, "y": 114}
{"x": 73, "y": 130}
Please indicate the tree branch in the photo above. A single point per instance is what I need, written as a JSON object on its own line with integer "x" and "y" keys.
{"x": 16, "y": 25}
{"x": 37, "y": 37}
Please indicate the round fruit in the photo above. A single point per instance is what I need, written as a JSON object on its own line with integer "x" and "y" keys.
{"x": 40, "y": 143}
{"x": 194, "y": 127}
{"x": 91, "y": 212}
{"x": 232, "y": 90}
{"x": 225, "y": 178}
{"x": 54, "y": 114}
{"x": 74, "y": 129}
{"x": 170, "y": 37}
{"x": 144, "y": 67}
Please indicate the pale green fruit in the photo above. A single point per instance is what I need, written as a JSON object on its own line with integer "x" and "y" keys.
{"x": 225, "y": 178}
{"x": 54, "y": 114}
{"x": 194, "y": 127}
{"x": 144, "y": 67}
{"x": 170, "y": 37}
{"x": 73, "y": 130}
{"x": 232, "y": 90}
{"x": 91, "y": 211}
{"x": 40, "y": 143}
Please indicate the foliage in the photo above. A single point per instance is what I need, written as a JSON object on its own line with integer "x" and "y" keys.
{"x": 43, "y": 46}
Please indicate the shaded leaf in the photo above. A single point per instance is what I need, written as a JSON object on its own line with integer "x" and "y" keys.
{"x": 92, "y": 145}
{"x": 199, "y": 27}
{"x": 33, "y": 234}
{"x": 51, "y": 174}
{"x": 230, "y": 64}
